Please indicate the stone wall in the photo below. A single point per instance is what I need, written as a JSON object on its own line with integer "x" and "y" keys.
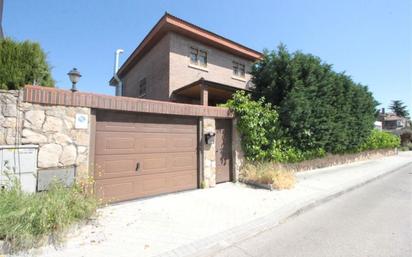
{"x": 237, "y": 151}
{"x": 50, "y": 127}
{"x": 209, "y": 155}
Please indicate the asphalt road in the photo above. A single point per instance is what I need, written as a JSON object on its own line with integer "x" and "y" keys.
{"x": 374, "y": 220}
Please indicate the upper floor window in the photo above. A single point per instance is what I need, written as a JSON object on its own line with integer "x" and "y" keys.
{"x": 238, "y": 69}
{"x": 198, "y": 57}
{"x": 142, "y": 88}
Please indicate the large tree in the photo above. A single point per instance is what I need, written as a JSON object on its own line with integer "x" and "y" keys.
{"x": 399, "y": 108}
{"x": 23, "y": 63}
{"x": 318, "y": 108}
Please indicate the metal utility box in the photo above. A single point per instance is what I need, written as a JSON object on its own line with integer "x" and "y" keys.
{"x": 20, "y": 162}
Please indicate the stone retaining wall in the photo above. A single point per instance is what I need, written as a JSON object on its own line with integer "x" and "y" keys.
{"x": 50, "y": 127}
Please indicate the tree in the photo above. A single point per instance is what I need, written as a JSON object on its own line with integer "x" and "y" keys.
{"x": 318, "y": 107}
{"x": 23, "y": 63}
{"x": 399, "y": 108}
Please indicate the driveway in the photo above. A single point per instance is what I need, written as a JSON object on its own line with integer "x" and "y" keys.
{"x": 184, "y": 221}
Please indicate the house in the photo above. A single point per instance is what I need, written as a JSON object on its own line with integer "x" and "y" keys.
{"x": 181, "y": 62}
{"x": 391, "y": 121}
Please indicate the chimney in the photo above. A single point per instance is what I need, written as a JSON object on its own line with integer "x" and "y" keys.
{"x": 383, "y": 110}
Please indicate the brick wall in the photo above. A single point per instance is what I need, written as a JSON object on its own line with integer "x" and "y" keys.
{"x": 219, "y": 67}
{"x": 154, "y": 67}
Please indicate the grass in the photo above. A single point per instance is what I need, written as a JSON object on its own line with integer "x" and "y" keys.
{"x": 28, "y": 219}
{"x": 269, "y": 173}
{"x": 281, "y": 175}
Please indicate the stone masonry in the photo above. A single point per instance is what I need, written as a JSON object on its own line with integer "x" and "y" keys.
{"x": 209, "y": 155}
{"x": 50, "y": 127}
{"x": 238, "y": 155}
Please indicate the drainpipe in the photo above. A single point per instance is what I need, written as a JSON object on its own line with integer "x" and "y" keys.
{"x": 119, "y": 86}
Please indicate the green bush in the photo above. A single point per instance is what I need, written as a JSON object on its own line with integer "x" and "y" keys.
{"x": 262, "y": 136}
{"x": 26, "y": 218}
{"x": 318, "y": 108}
{"x": 380, "y": 140}
{"x": 257, "y": 123}
{"x": 23, "y": 63}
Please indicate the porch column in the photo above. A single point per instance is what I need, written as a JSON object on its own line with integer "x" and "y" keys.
{"x": 204, "y": 95}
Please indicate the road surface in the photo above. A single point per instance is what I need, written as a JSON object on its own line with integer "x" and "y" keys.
{"x": 374, "y": 220}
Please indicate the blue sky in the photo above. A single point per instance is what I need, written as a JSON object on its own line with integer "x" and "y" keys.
{"x": 370, "y": 40}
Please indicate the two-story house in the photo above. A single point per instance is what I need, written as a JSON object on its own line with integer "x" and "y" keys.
{"x": 181, "y": 62}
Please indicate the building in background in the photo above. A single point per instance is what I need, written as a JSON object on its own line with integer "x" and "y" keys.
{"x": 390, "y": 121}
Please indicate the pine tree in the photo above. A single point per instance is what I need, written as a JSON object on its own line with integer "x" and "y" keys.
{"x": 399, "y": 108}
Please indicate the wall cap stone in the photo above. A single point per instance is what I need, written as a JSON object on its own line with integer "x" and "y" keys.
{"x": 53, "y": 96}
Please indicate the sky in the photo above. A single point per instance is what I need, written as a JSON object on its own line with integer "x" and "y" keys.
{"x": 369, "y": 40}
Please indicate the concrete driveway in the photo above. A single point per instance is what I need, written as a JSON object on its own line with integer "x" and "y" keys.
{"x": 184, "y": 222}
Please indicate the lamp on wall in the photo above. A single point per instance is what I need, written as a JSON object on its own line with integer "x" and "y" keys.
{"x": 74, "y": 76}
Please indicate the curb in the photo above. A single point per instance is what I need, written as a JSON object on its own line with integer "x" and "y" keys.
{"x": 212, "y": 244}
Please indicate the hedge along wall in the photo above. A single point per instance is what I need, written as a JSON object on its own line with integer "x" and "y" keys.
{"x": 50, "y": 127}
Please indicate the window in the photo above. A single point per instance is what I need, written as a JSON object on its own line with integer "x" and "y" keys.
{"x": 198, "y": 57}
{"x": 142, "y": 88}
{"x": 238, "y": 69}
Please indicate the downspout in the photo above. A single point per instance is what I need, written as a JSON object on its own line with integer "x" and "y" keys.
{"x": 119, "y": 86}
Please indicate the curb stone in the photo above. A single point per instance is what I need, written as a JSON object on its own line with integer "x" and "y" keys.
{"x": 215, "y": 243}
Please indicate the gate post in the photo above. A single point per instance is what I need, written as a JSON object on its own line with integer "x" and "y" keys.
{"x": 209, "y": 154}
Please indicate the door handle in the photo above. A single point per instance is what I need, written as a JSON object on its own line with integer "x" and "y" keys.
{"x": 137, "y": 166}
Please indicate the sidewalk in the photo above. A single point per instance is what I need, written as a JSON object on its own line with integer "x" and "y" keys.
{"x": 196, "y": 222}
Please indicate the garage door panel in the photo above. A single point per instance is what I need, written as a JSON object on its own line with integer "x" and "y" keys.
{"x": 118, "y": 189}
{"x": 124, "y": 143}
{"x": 125, "y": 165}
{"x": 143, "y": 155}
{"x": 154, "y": 128}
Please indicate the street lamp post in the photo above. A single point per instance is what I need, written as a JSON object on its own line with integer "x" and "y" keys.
{"x": 74, "y": 76}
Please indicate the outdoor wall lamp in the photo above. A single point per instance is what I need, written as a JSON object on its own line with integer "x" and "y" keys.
{"x": 74, "y": 76}
{"x": 210, "y": 138}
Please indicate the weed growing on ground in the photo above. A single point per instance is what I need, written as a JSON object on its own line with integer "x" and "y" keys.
{"x": 28, "y": 219}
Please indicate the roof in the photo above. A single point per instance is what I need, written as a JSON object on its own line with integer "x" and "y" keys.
{"x": 210, "y": 84}
{"x": 170, "y": 23}
{"x": 389, "y": 117}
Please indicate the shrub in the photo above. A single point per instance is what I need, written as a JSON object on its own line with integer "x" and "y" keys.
{"x": 23, "y": 63}
{"x": 380, "y": 140}
{"x": 406, "y": 137}
{"x": 257, "y": 123}
{"x": 268, "y": 173}
{"x": 262, "y": 136}
{"x": 27, "y": 218}
{"x": 318, "y": 107}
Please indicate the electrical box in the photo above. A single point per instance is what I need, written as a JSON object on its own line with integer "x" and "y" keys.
{"x": 19, "y": 162}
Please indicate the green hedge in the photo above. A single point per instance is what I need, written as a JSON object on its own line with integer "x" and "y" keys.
{"x": 317, "y": 106}
{"x": 262, "y": 136}
{"x": 264, "y": 139}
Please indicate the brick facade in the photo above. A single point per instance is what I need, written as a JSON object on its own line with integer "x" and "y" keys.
{"x": 219, "y": 65}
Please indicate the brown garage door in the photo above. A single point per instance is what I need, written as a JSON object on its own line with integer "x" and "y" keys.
{"x": 141, "y": 155}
